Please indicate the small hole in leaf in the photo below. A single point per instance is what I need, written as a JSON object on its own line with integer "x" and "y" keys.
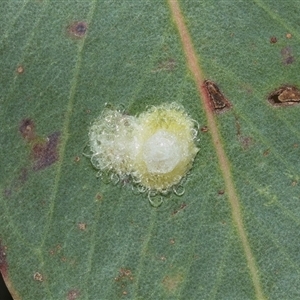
{"x": 285, "y": 95}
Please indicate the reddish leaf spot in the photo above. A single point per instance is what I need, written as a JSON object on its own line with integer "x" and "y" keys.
{"x": 266, "y": 152}
{"x": 99, "y": 197}
{"x": 27, "y": 129}
{"x": 245, "y": 141}
{"x": 287, "y": 57}
{"x": 3, "y": 262}
{"x": 46, "y": 153}
{"x": 182, "y": 206}
{"x": 273, "y": 40}
{"x": 73, "y": 294}
{"x": 78, "y": 29}
{"x": 204, "y": 129}
{"x": 217, "y": 101}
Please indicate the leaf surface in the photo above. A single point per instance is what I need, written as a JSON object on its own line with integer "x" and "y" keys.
{"x": 67, "y": 235}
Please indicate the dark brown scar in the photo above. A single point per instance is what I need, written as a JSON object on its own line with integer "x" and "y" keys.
{"x": 284, "y": 96}
{"x": 217, "y": 101}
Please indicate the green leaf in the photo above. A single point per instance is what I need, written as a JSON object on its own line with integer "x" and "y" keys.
{"x": 65, "y": 234}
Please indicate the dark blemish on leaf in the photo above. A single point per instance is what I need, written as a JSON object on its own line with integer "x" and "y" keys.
{"x": 284, "y": 96}
{"x": 3, "y": 262}
{"x": 77, "y": 159}
{"x": 55, "y": 250}
{"x": 204, "y": 129}
{"x": 27, "y": 129}
{"x": 78, "y": 29}
{"x": 20, "y": 70}
{"x": 123, "y": 279}
{"x": 273, "y": 40}
{"x": 46, "y": 153}
{"x": 266, "y": 152}
{"x": 245, "y": 141}
{"x": 287, "y": 57}
{"x": 182, "y": 206}
{"x": 124, "y": 274}
{"x": 221, "y": 192}
{"x": 38, "y": 276}
{"x": 99, "y": 197}
{"x": 218, "y": 101}
{"x": 288, "y": 36}
{"x": 73, "y": 294}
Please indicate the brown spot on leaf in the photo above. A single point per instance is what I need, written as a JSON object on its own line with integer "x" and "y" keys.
{"x": 284, "y": 96}
{"x": 273, "y": 40}
{"x": 288, "y": 35}
{"x": 182, "y": 206}
{"x": 73, "y": 295}
{"x": 171, "y": 283}
{"x": 217, "y": 101}
{"x": 221, "y": 192}
{"x": 43, "y": 151}
{"x": 20, "y": 70}
{"x": 3, "y": 262}
{"x": 38, "y": 276}
{"x": 204, "y": 129}
{"x": 245, "y": 141}
{"x": 27, "y": 129}
{"x": 266, "y": 152}
{"x": 78, "y": 29}
{"x": 77, "y": 159}
{"x": 287, "y": 57}
{"x": 124, "y": 274}
{"x": 99, "y": 197}
{"x": 82, "y": 226}
{"x": 46, "y": 153}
